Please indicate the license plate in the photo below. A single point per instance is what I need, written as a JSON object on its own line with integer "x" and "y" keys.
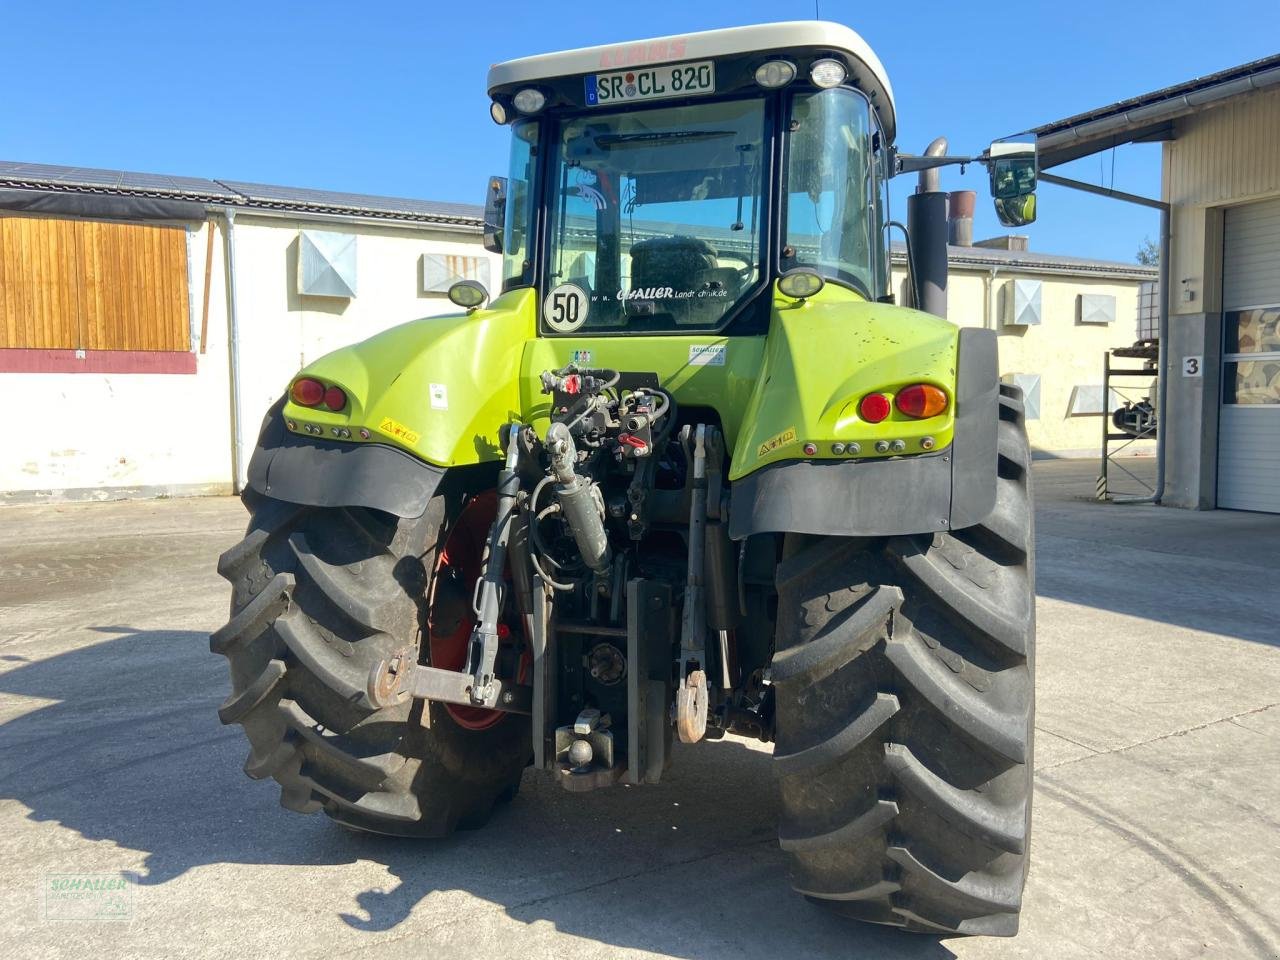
{"x": 651, "y": 83}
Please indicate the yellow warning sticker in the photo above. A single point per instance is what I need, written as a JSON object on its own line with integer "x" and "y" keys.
{"x": 773, "y": 443}
{"x": 394, "y": 428}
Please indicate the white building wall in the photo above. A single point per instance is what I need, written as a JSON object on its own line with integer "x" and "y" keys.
{"x": 1065, "y": 353}
{"x": 281, "y": 331}
{"x": 1219, "y": 157}
{"x": 100, "y": 436}
{"x": 103, "y": 436}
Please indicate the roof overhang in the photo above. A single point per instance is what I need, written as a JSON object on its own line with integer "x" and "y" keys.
{"x": 1151, "y": 116}
{"x": 866, "y": 70}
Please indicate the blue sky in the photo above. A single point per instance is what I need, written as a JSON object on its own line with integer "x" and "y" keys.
{"x": 389, "y": 97}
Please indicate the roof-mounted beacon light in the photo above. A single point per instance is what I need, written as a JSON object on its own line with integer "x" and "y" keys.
{"x": 827, "y": 73}
{"x": 773, "y": 74}
{"x": 529, "y": 100}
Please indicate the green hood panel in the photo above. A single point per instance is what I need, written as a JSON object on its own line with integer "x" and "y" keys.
{"x": 442, "y": 387}
{"x": 823, "y": 355}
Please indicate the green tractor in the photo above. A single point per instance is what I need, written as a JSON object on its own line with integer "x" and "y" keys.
{"x": 690, "y": 472}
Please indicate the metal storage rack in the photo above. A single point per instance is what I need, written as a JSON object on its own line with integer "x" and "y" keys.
{"x": 1115, "y": 442}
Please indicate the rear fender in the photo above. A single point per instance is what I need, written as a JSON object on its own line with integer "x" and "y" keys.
{"x": 421, "y": 397}
{"x": 329, "y": 473}
{"x": 926, "y": 493}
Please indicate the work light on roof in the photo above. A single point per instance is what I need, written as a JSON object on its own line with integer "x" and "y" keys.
{"x": 775, "y": 73}
{"x": 498, "y": 112}
{"x": 529, "y": 100}
{"x": 827, "y": 73}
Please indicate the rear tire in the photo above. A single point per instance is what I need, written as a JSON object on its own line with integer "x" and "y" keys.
{"x": 904, "y": 688}
{"x": 318, "y": 597}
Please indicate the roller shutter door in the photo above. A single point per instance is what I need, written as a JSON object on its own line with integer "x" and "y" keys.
{"x": 1249, "y": 421}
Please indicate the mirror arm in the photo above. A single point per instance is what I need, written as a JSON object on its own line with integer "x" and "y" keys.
{"x": 906, "y": 163}
{"x": 911, "y": 260}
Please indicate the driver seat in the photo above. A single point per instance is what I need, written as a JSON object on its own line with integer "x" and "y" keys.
{"x": 686, "y": 265}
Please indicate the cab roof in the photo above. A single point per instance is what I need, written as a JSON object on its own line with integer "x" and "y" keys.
{"x": 865, "y": 69}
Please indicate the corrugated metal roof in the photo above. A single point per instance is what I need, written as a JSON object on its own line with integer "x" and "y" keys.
{"x": 1149, "y": 116}
{"x": 235, "y": 193}
{"x": 1155, "y": 96}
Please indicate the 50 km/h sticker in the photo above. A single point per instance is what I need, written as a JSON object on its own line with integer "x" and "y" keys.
{"x": 565, "y": 308}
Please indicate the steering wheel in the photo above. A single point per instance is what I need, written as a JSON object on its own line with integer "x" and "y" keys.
{"x": 748, "y": 264}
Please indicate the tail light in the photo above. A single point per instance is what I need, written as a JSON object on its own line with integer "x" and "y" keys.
{"x": 335, "y": 399}
{"x": 874, "y": 407}
{"x": 921, "y": 400}
{"x": 307, "y": 392}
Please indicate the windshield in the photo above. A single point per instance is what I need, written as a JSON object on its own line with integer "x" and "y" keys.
{"x": 655, "y": 217}
{"x": 832, "y": 223}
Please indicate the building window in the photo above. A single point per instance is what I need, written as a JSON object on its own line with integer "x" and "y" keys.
{"x": 440, "y": 271}
{"x": 1022, "y": 303}
{"x": 326, "y": 264}
{"x": 87, "y": 285}
{"x": 1097, "y": 308}
{"x": 1029, "y": 384}
{"x": 1251, "y": 355}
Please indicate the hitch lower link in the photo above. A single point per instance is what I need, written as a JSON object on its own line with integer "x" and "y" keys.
{"x": 401, "y": 677}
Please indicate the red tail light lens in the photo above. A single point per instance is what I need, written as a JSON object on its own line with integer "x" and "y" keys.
{"x": 921, "y": 400}
{"x": 874, "y": 407}
{"x": 307, "y": 392}
{"x": 335, "y": 399}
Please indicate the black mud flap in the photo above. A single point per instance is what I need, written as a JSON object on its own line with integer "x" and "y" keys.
{"x": 947, "y": 490}
{"x": 330, "y": 473}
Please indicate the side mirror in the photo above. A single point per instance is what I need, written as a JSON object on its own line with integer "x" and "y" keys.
{"x": 495, "y": 213}
{"x": 1012, "y": 167}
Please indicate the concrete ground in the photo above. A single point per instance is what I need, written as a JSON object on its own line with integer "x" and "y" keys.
{"x": 1157, "y": 809}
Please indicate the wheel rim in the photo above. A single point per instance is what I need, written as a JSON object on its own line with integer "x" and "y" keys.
{"x": 460, "y": 561}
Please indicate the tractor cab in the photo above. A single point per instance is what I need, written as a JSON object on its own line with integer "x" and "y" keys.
{"x": 661, "y": 186}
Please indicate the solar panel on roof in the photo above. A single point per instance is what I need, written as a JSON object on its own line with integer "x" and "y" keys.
{"x": 353, "y": 201}
{"x": 33, "y": 175}
{"x": 116, "y": 179}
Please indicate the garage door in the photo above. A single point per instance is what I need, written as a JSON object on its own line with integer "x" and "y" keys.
{"x": 1249, "y": 422}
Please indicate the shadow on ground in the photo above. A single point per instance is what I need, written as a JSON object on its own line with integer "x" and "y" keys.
{"x": 132, "y": 752}
{"x": 1211, "y": 570}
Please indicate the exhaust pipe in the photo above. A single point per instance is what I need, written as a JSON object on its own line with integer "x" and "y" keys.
{"x": 927, "y": 226}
